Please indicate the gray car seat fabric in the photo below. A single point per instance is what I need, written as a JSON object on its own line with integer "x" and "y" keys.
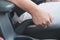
{"x": 5, "y": 6}
{"x": 5, "y": 24}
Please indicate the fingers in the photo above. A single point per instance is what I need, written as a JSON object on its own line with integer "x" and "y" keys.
{"x": 43, "y": 24}
{"x": 51, "y": 19}
{"x": 46, "y": 23}
{"x": 43, "y": 21}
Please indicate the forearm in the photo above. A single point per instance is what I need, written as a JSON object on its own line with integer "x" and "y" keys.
{"x": 26, "y": 5}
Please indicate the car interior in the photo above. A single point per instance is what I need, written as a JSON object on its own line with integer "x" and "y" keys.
{"x": 10, "y": 31}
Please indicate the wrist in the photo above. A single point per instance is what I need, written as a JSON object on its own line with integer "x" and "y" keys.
{"x": 35, "y": 11}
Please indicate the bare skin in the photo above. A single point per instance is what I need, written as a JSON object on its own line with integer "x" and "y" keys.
{"x": 39, "y": 15}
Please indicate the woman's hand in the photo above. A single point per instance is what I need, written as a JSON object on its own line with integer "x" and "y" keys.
{"x": 42, "y": 18}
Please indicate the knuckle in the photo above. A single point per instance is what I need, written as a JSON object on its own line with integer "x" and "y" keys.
{"x": 47, "y": 20}
{"x": 44, "y": 22}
